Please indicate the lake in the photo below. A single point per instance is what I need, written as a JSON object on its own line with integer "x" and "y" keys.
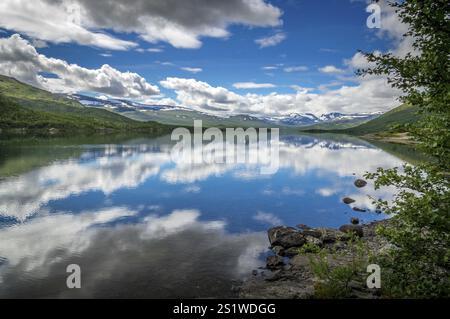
{"x": 140, "y": 225}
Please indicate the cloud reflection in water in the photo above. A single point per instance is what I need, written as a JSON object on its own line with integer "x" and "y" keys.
{"x": 162, "y": 256}
{"x": 128, "y": 166}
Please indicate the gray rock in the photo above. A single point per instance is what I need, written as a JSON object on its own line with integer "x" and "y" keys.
{"x": 303, "y": 227}
{"x": 273, "y": 275}
{"x": 297, "y": 280}
{"x": 348, "y": 200}
{"x": 312, "y": 233}
{"x": 278, "y": 250}
{"x": 276, "y": 233}
{"x": 278, "y": 289}
{"x": 360, "y": 183}
{"x": 355, "y": 229}
{"x": 289, "y": 240}
{"x": 291, "y": 252}
{"x": 329, "y": 235}
{"x": 300, "y": 262}
{"x": 354, "y": 221}
{"x": 274, "y": 262}
{"x": 357, "y": 209}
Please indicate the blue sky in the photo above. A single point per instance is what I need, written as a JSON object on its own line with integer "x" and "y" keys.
{"x": 194, "y": 65}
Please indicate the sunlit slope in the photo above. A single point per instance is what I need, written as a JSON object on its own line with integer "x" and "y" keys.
{"x": 392, "y": 120}
{"x": 26, "y": 107}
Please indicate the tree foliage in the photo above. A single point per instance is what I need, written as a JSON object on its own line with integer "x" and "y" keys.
{"x": 14, "y": 116}
{"x": 418, "y": 264}
{"x": 423, "y": 74}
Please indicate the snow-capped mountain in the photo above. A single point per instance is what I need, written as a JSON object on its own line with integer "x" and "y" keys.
{"x": 306, "y": 119}
{"x": 336, "y": 116}
{"x": 292, "y": 120}
{"x": 117, "y": 105}
{"x": 299, "y": 119}
{"x": 295, "y": 119}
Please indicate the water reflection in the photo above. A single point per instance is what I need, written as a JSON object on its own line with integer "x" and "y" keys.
{"x": 114, "y": 167}
{"x": 161, "y": 256}
{"x": 141, "y": 225}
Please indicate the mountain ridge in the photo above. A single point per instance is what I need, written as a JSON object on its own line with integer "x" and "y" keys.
{"x": 43, "y": 109}
{"x": 25, "y": 107}
{"x": 175, "y": 115}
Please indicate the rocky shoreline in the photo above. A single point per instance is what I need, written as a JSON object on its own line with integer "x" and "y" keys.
{"x": 289, "y": 274}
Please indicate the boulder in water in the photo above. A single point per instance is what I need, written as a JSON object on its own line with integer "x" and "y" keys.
{"x": 348, "y": 200}
{"x": 286, "y": 237}
{"x": 360, "y": 183}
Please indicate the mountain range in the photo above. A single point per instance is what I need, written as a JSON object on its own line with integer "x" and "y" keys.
{"x": 178, "y": 115}
{"x": 26, "y": 107}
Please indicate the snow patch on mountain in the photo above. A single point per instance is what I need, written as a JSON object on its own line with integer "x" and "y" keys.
{"x": 295, "y": 119}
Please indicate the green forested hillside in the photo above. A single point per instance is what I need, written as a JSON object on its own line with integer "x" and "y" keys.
{"x": 25, "y": 107}
{"x": 392, "y": 120}
{"x": 337, "y": 125}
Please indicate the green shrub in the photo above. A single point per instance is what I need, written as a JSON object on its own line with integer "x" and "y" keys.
{"x": 418, "y": 264}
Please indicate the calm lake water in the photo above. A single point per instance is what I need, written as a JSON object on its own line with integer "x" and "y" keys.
{"x": 140, "y": 225}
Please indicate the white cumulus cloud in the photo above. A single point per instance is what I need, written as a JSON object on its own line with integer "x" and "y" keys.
{"x": 180, "y": 23}
{"x": 368, "y": 95}
{"x": 56, "y": 22}
{"x": 19, "y": 59}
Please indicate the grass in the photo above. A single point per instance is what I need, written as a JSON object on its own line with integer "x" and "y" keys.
{"x": 337, "y": 125}
{"x": 392, "y": 121}
{"x": 385, "y": 125}
{"x": 337, "y": 272}
{"x": 14, "y": 89}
